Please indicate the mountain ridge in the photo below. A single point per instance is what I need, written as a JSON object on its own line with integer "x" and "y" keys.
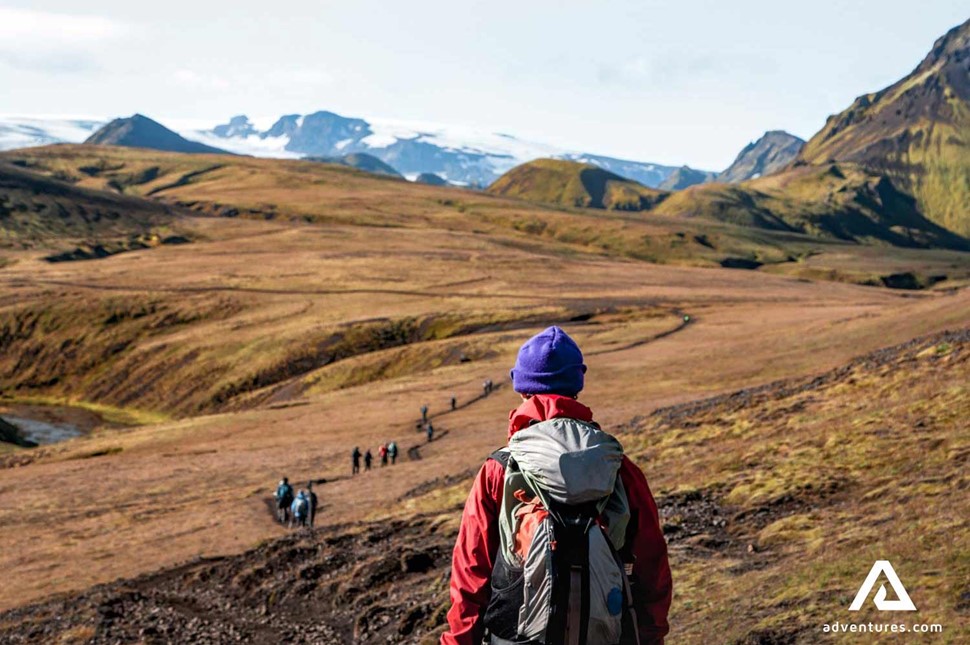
{"x": 915, "y": 131}
{"x": 771, "y": 153}
{"x": 460, "y": 155}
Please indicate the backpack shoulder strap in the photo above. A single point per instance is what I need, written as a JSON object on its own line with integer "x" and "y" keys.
{"x": 501, "y": 456}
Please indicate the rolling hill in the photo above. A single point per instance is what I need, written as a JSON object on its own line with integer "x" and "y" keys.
{"x": 836, "y": 202}
{"x": 710, "y": 225}
{"x": 840, "y": 201}
{"x": 574, "y": 184}
{"x": 685, "y": 177}
{"x": 430, "y": 179}
{"x": 139, "y": 131}
{"x": 916, "y": 132}
{"x": 37, "y": 210}
{"x": 361, "y": 161}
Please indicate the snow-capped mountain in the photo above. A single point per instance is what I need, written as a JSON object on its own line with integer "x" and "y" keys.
{"x": 26, "y": 131}
{"x": 459, "y": 154}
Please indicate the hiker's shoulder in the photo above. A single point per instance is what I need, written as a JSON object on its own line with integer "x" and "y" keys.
{"x": 500, "y": 457}
{"x": 634, "y": 480}
{"x": 492, "y": 473}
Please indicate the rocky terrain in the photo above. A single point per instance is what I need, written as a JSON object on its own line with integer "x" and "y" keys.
{"x": 769, "y": 154}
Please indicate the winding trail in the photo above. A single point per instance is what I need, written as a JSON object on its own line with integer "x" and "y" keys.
{"x": 414, "y": 451}
{"x": 685, "y": 320}
{"x": 21, "y": 282}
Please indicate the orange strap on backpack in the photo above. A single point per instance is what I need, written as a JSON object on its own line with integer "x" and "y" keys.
{"x": 528, "y": 518}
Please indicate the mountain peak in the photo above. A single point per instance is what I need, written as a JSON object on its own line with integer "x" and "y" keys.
{"x": 139, "y": 131}
{"x": 238, "y": 126}
{"x": 953, "y": 43}
{"x": 685, "y": 177}
{"x": 769, "y": 154}
{"x": 915, "y": 132}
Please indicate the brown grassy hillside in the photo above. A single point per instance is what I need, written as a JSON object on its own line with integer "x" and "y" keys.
{"x": 327, "y": 194}
{"x": 177, "y": 329}
{"x": 574, "y": 184}
{"x": 38, "y": 210}
{"x": 775, "y": 502}
{"x": 324, "y": 306}
{"x": 841, "y": 201}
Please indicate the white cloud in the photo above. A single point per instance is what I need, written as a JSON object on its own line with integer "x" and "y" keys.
{"x": 48, "y": 41}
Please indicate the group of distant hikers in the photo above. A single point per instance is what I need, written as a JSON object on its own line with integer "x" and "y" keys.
{"x": 560, "y": 540}
{"x": 295, "y": 510}
{"x": 387, "y": 453}
{"x": 298, "y": 509}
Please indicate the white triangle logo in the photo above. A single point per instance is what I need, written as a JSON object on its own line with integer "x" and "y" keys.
{"x": 884, "y": 567}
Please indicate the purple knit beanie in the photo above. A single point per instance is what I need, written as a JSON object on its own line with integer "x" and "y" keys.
{"x": 549, "y": 363}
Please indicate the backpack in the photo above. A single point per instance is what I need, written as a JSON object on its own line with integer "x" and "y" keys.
{"x": 284, "y": 494}
{"x": 558, "y": 578}
{"x": 392, "y": 449}
{"x": 300, "y": 507}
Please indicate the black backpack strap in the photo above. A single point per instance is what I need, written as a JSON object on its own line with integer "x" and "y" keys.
{"x": 502, "y": 456}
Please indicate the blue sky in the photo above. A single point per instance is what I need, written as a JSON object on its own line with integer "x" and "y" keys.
{"x": 670, "y": 82}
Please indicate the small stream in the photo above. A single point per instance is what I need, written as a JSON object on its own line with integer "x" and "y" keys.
{"x": 42, "y": 432}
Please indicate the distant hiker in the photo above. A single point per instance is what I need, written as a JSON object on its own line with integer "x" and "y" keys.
{"x": 392, "y": 452}
{"x": 430, "y": 432}
{"x": 490, "y": 385}
{"x": 312, "y": 499}
{"x": 383, "y": 453}
{"x": 355, "y": 458}
{"x": 484, "y": 388}
{"x": 368, "y": 458}
{"x": 454, "y": 403}
{"x": 284, "y": 497}
{"x": 424, "y": 414}
{"x": 562, "y": 506}
{"x": 300, "y": 508}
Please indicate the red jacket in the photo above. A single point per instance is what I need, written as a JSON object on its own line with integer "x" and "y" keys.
{"x": 478, "y": 538}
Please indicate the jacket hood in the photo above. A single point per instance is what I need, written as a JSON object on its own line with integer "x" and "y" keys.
{"x": 542, "y": 407}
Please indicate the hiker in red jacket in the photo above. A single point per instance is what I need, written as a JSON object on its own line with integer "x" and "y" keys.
{"x": 563, "y": 493}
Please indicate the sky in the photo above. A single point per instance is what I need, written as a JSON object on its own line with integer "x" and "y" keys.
{"x": 687, "y": 82}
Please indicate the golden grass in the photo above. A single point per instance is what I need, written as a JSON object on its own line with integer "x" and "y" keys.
{"x": 208, "y": 317}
